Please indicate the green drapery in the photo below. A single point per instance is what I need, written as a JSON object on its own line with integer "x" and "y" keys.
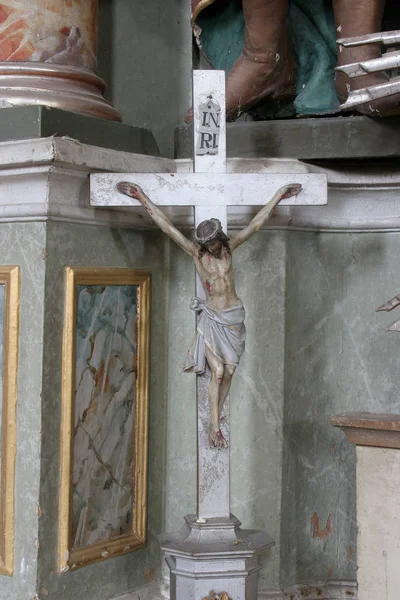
{"x": 312, "y": 33}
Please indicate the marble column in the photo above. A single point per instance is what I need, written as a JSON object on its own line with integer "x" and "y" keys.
{"x": 48, "y": 51}
{"x": 377, "y": 438}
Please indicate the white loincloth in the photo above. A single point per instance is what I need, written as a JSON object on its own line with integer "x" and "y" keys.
{"x": 223, "y": 332}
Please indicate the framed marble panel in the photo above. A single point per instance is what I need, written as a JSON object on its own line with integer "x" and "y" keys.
{"x": 9, "y": 333}
{"x": 104, "y": 440}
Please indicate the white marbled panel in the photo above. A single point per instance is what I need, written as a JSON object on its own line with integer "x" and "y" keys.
{"x": 103, "y": 482}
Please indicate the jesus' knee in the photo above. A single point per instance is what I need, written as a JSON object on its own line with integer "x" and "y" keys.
{"x": 219, "y": 374}
{"x": 229, "y": 371}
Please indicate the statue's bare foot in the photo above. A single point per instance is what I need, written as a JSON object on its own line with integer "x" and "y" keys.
{"x": 252, "y": 79}
{"x": 217, "y": 439}
{"x": 129, "y": 189}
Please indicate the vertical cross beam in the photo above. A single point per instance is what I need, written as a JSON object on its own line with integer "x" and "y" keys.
{"x": 209, "y": 156}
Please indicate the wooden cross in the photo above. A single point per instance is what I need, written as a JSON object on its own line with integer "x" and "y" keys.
{"x": 210, "y": 191}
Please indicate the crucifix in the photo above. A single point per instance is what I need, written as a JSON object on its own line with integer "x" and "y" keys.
{"x": 212, "y": 535}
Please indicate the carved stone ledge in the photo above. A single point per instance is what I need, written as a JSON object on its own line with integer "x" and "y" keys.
{"x": 307, "y": 139}
{"x": 370, "y": 429}
{"x": 361, "y": 198}
{"x": 47, "y": 180}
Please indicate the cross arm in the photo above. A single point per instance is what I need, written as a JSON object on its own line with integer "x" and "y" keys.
{"x": 212, "y": 189}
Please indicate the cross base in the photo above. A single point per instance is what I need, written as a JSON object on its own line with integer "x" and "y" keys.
{"x": 215, "y": 556}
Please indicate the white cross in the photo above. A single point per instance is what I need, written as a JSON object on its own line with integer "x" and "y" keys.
{"x": 210, "y": 190}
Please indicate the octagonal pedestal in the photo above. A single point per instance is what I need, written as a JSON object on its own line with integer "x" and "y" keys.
{"x": 215, "y": 556}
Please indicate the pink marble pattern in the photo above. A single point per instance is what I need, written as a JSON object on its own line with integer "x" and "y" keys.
{"x": 51, "y": 31}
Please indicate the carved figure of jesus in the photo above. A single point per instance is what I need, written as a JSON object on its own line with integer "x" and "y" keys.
{"x": 221, "y": 332}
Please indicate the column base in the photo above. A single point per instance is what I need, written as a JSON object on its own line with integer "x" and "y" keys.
{"x": 35, "y": 122}
{"x": 215, "y": 556}
{"x": 57, "y": 86}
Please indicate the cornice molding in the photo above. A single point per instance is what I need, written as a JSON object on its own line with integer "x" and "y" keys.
{"x": 47, "y": 180}
{"x": 380, "y": 430}
{"x": 362, "y": 197}
{"x": 64, "y": 151}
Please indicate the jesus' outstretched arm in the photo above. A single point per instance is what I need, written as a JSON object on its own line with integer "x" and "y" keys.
{"x": 285, "y": 192}
{"x": 134, "y": 191}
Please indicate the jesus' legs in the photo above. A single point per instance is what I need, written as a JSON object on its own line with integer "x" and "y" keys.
{"x": 217, "y": 376}
{"x": 225, "y": 387}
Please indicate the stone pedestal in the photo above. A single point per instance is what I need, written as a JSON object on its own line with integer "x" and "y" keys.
{"x": 377, "y": 437}
{"x": 214, "y": 556}
{"x": 48, "y": 54}
{"x": 46, "y": 224}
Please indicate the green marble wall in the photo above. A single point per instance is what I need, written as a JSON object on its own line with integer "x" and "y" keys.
{"x": 24, "y": 245}
{"x": 257, "y": 394}
{"x": 81, "y": 245}
{"x": 315, "y": 348}
{"x": 338, "y": 358}
{"x": 257, "y": 399}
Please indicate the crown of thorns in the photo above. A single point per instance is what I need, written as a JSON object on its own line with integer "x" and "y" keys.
{"x": 208, "y": 231}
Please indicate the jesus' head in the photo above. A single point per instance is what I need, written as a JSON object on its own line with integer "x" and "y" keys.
{"x": 210, "y": 237}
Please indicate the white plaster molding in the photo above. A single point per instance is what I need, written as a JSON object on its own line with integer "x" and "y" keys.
{"x": 378, "y": 472}
{"x": 362, "y": 197}
{"x": 47, "y": 180}
{"x": 63, "y": 151}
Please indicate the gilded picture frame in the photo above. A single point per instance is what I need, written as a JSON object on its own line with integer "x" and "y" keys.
{"x": 103, "y": 347}
{"x": 10, "y": 301}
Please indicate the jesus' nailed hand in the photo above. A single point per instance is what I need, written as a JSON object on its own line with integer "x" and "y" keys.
{"x": 220, "y": 326}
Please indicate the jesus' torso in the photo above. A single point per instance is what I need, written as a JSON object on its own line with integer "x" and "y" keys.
{"x": 216, "y": 275}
